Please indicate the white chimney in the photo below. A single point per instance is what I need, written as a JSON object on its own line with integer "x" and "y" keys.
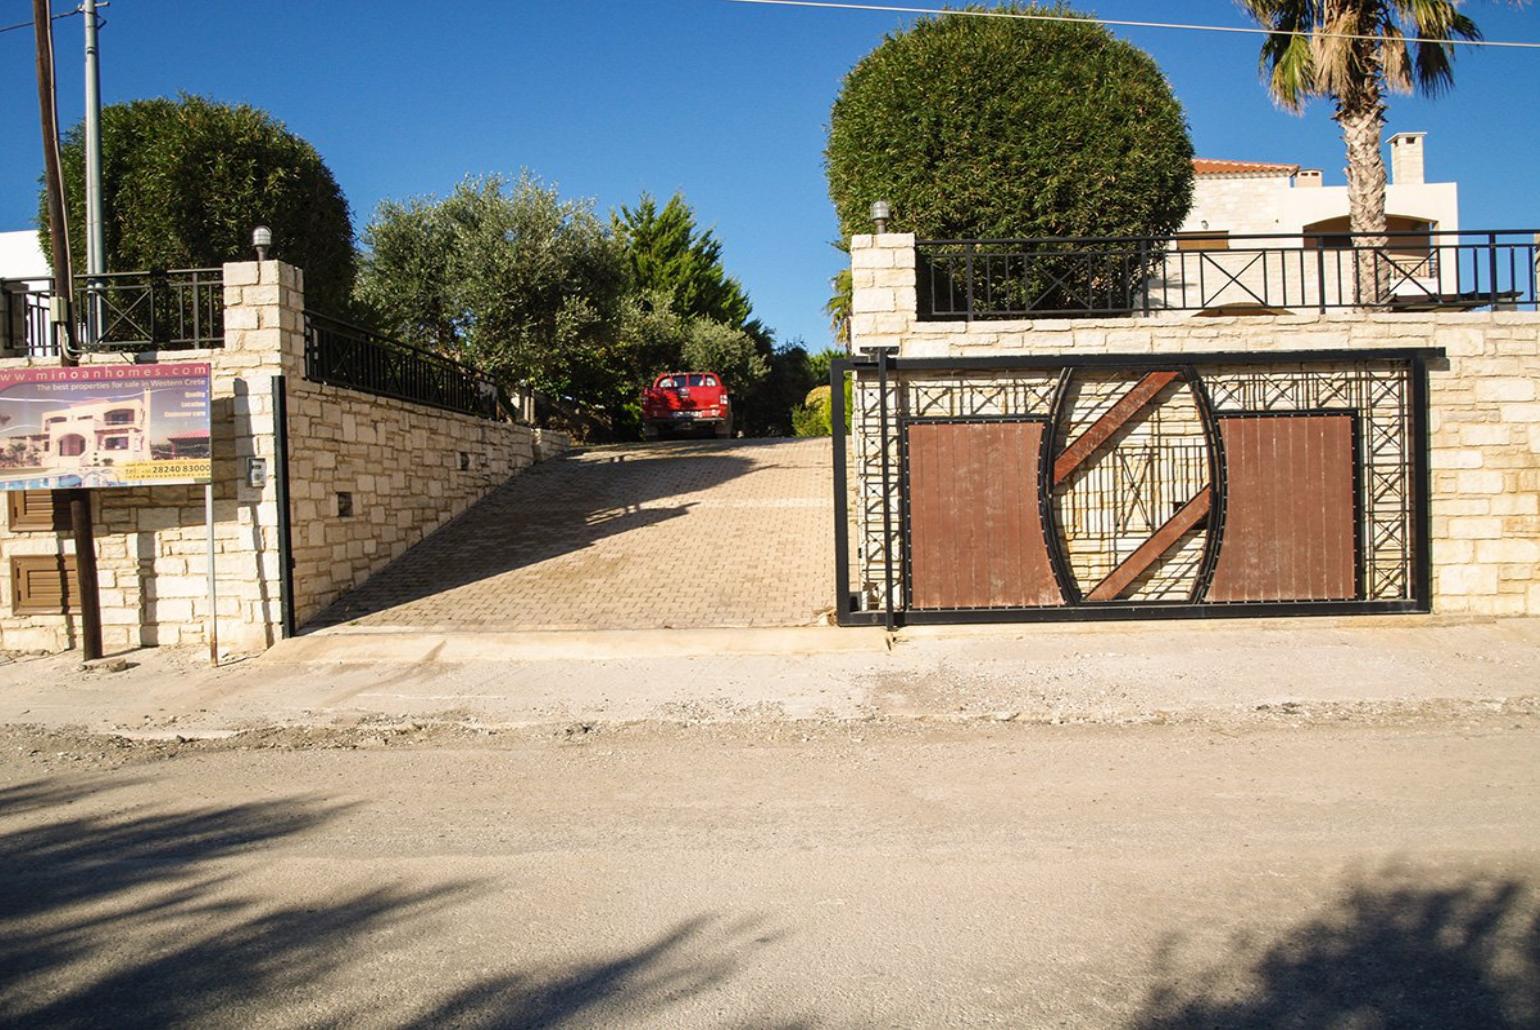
{"x": 1406, "y": 158}
{"x": 1308, "y": 179}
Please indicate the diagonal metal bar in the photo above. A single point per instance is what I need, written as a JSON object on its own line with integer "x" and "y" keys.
{"x": 1057, "y": 282}
{"x": 1406, "y": 276}
{"x": 1129, "y": 405}
{"x": 1235, "y": 279}
{"x": 1149, "y": 552}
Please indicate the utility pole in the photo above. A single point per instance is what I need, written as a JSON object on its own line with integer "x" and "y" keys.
{"x": 58, "y": 229}
{"x": 96, "y": 233}
{"x": 63, "y": 319}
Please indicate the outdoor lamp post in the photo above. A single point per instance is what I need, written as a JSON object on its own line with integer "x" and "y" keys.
{"x": 261, "y": 238}
{"x": 881, "y": 212}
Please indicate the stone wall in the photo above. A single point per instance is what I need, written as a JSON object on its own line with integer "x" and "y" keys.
{"x": 1484, "y": 400}
{"x": 400, "y": 462}
{"x": 406, "y": 470}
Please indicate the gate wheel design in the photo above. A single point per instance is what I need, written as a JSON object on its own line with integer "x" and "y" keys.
{"x": 1133, "y": 406}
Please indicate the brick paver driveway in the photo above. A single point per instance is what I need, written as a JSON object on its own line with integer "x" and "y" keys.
{"x": 736, "y": 533}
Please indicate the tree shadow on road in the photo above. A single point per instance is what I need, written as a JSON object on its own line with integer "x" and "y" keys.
{"x": 1393, "y": 952}
{"x": 631, "y": 986}
{"x": 143, "y": 918}
{"x": 128, "y": 920}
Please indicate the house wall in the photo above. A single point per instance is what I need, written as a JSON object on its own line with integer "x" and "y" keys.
{"x": 400, "y": 461}
{"x": 1265, "y": 203}
{"x": 1484, "y": 404}
{"x": 1244, "y": 204}
{"x": 21, "y": 255}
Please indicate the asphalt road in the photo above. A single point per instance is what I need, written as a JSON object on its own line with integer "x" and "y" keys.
{"x": 1279, "y": 873}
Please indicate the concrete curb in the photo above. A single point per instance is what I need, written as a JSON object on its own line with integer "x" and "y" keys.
{"x": 371, "y": 646}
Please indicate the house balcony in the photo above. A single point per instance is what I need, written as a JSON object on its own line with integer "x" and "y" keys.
{"x": 129, "y": 312}
{"x": 1132, "y": 277}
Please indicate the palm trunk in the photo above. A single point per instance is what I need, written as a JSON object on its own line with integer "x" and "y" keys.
{"x": 1362, "y": 118}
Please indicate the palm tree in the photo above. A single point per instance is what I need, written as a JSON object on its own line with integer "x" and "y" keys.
{"x": 838, "y": 307}
{"x": 1355, "y": 52}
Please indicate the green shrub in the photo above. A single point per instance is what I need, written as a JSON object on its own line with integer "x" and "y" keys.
{"x": 729, "y": 352}
{"x": 815, "y": 416}
{"x": 185, "y": 181}
{"x": 984, "y": 128}
{"x": 807, "y": 421}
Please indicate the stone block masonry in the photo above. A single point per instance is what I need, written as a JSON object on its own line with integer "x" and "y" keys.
{"x": 1484, "y": 404}
{"x": 400, "y": 469}
{"x": 369, "y": 477}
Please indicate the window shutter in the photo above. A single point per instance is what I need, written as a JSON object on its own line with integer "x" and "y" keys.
{"x": 44, "y": 584}
{"x": 34, "y": 510}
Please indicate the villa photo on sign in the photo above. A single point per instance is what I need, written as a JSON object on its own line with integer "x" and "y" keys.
{"x": 104, "y": 426}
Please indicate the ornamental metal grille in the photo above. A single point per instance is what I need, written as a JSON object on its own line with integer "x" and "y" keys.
{"x": 1133, "y": 501}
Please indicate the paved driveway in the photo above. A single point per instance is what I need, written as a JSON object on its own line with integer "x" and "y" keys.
{"x": 736, "y": 533}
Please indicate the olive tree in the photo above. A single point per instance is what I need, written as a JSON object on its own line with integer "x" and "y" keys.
{"x": 509, "y": 277}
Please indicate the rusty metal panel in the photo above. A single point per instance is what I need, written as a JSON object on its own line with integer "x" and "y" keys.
{"x": 1290, "y": 525}
{"x": 976, "y": 536}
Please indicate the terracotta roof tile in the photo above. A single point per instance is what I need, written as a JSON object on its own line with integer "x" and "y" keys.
{"x": 1213, "y": 166}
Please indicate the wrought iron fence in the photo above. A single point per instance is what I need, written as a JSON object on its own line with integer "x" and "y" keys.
{"x": 1219, "y": 273}
{"x": 179, "y": 309}
{"x": 340, "y": 354}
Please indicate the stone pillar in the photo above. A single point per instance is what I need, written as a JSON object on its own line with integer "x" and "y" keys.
{"x": 883, "y": 294}
{"x": 882, "y": 313}
{"x": 264, "y": 337}
{"x": 265, "y": 312}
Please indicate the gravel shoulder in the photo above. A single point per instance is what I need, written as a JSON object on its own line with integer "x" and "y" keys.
{"x": 1103, "y": 674}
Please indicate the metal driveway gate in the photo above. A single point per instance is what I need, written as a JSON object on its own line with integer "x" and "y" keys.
{"x": 1133, "y": 486}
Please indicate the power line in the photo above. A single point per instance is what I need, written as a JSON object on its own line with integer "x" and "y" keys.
{"x": 28, "y": 23}
{"x": 1124, "y": 23}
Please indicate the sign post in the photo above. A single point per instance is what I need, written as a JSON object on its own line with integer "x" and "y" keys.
{"x": 97, "y": 427}
{"x": 208, "y": 519}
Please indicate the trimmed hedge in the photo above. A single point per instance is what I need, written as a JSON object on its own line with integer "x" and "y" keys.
{"x": 185, "y": 181}
{"x": 985, "y": 128}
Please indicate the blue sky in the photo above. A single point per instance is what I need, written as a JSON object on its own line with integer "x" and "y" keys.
{"x": 728, "y": 103}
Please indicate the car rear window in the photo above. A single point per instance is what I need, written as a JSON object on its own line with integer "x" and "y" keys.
{"x": 694, "y": 379}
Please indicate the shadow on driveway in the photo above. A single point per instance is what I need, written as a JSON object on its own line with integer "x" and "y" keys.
{"x": 552, "y": 509}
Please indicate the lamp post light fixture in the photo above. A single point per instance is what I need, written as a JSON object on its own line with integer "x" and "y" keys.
{"x": 261, "y": 238}
{"x": 881, "y": 212}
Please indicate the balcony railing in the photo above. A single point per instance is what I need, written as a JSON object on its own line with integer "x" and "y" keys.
{"x": 179, "y": 309}
{"x": 1068, "y": 277}
{"x": 340, "y": 354}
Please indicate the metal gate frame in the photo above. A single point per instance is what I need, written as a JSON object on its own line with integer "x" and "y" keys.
{"x": 885, "y": 364}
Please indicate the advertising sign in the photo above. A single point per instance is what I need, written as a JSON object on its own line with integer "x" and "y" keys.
{"x": 104, "y": 426}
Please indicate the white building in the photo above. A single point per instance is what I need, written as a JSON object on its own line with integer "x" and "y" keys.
{"x": 1309, "y": 262}
{"x": 105, "y": 433}
{"x": 1238, "y": 198}
{"x": 21, "y": 256}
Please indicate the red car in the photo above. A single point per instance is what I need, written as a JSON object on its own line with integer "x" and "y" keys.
{"x": 686, "y": 400}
